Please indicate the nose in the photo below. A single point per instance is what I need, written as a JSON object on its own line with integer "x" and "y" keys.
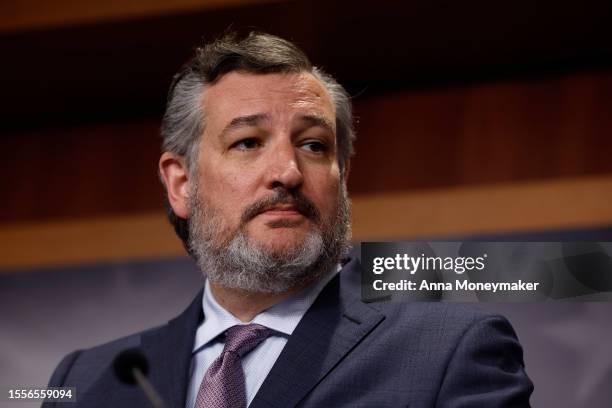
{"x": 283, "y": 168}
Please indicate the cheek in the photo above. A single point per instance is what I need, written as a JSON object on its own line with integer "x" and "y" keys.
{"x": 228, "y": 192}
{"x": 325, "y": 196}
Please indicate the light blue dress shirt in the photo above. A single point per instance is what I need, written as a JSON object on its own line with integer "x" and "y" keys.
{"x": 283, "y": 318}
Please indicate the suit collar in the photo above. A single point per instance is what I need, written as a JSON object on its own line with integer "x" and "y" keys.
{"x": 283, "y": 317}
{"x": 337, "y": 321}
{"x": 169, "y": 351}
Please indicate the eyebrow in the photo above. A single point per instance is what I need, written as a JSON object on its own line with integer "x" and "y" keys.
{"x": 319, "y": 121}
{"x": 244, "y": 121}
{"x": 256, "y": 119}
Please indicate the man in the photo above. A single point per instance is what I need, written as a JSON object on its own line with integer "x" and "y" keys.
{"x": 256, "y": 155}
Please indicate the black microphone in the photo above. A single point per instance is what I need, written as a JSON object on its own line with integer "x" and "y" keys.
{"x": 132, "y": 367}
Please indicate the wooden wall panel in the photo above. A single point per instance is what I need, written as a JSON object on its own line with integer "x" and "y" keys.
{"x": 81, "y": 171}
{"x": 469, "y": 135}
{"x": 36, "y": 14}
{"x": 515, "y": 207}
{"x": 489, "y": 133}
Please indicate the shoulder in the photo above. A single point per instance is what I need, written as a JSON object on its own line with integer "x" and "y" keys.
{"x": 435, "y": 324}
{"x": 462, "y": 349}
{"x": 89, "y": 369}
{"x": 82, "y": 365}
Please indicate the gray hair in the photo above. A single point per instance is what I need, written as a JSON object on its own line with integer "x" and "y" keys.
{"x": 258, "y": 53}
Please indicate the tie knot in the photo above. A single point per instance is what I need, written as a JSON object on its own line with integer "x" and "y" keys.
{"x": 241, "y": 339}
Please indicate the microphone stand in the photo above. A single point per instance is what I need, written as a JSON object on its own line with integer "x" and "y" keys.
{"x": 148, "y": 389}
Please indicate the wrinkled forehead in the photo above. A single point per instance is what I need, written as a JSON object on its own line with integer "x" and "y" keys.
{"x": 240, "y": 94}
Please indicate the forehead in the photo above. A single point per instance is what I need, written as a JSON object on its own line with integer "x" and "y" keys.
{"x": 241, "y": 94}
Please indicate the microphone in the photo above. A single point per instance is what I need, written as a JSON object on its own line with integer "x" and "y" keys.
{"x": 132, "y": 367}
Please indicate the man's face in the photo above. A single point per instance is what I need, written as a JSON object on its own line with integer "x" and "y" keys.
{"x": 267, "y": 164}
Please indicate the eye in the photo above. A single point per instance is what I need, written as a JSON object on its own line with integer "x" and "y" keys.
{"x": 250, "y": 143}
{"x": 315, "y": 146}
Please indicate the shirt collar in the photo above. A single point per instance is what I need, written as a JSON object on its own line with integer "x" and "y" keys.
{"x": 283, "y": 317}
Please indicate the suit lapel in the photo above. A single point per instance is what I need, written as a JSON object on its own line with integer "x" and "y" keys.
{"x": 169, "y": 351}
{"x": 332, "y": 327}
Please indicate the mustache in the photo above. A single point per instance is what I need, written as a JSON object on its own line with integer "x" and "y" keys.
{"x": 282, "y": 196}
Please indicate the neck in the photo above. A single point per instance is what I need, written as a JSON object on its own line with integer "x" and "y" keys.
{"x": 246, "y": 305}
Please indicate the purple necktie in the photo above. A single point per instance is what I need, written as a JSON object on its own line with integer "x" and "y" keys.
{"x": 223, "y": 385}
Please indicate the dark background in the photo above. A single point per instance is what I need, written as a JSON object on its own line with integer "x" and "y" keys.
{"x": 449, "y": 96}
{"x": 446, "y": 93}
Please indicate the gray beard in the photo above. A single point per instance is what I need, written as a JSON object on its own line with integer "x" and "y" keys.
{"x": 238, "y": 263}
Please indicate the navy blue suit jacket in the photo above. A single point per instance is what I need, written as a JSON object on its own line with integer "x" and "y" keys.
{"x": 343, "y": 353}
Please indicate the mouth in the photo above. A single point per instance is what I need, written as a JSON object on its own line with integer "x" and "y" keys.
{"x": 282, "y": 211}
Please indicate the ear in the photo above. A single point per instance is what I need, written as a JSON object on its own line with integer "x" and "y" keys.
{"x": 347, "y": 169}
{"x": 175, "y": 176}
